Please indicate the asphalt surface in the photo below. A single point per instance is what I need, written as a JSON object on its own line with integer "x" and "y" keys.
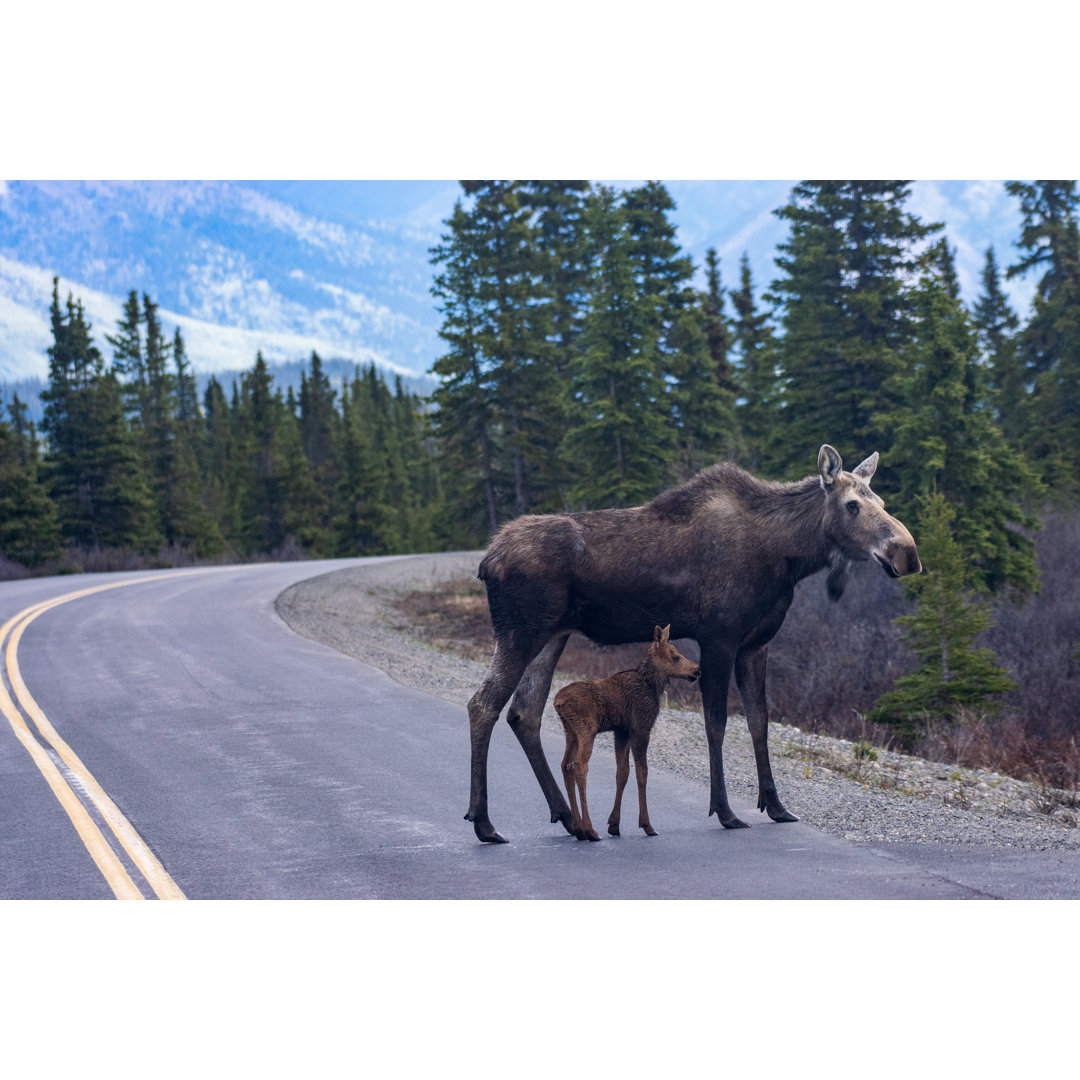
{"x": 255, "y": 763}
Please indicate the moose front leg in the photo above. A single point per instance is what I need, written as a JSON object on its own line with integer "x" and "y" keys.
{"x": 750, "y": 678}
{"x": 715, "y": 677}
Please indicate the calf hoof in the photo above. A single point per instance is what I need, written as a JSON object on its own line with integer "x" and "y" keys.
{"x": 649, "y": 830}
{"x": 613, "y": 829}
{"x": 591, "y": 834}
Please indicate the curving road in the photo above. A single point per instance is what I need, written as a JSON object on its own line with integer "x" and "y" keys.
{"x": 168, "y": 736}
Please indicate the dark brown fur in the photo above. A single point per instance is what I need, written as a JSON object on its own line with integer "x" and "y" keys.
{"x": 626, "y": 703}
{"x": 720, "y": 556}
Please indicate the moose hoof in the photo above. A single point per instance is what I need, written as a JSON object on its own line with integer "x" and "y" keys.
{"x": 613, "y": 830}
{"x": 734, "y": 823}
{"x": 649, "y": 830}
{"x": 484, "y": 830}
{"x": 775, "y": 810}
{"x": 566, "y": 818}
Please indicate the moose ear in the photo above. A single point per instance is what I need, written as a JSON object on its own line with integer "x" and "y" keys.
{"x": 829, "y": 464}
{"x": 867, "y": 468}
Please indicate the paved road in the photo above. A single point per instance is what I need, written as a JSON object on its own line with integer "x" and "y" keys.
{"x": 253, "y": 763}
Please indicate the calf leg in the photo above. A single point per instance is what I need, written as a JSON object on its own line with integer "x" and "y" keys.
{"x": 524, "y": 716}
{"x": 507, "y": 667}
{"x": 750, "y": 678}
{"x": 715, "y": 678}
{"x": 569, "y": 771}
{"x": 641, "y": 770}
{"x": 581, "y": 773}
{"x": 622, "y": 773}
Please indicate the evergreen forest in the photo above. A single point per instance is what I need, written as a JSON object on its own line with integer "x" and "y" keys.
{"x": 584, "y": 366}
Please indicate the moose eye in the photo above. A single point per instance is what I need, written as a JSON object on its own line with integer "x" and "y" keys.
{"x": 853, "y": 508}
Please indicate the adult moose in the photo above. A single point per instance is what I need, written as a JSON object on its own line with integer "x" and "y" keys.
{"x": 718, "y": 558}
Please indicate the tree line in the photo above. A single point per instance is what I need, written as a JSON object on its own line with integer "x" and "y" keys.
{"x": 129, "y": 459}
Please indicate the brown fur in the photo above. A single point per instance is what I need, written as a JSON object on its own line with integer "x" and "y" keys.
{"x": 720, "y": 556}
{"x": 626, "y": 703}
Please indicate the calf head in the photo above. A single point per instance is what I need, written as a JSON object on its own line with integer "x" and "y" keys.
{"x": 668, "y": 660}
{"x": 857, "y": 525}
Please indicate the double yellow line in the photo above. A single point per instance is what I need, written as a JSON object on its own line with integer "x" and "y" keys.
{"x": 100, "y": 849}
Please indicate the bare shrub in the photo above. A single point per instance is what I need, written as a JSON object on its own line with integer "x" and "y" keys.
{"x": 831, "y": 661}
{"x": 1037, "y": 639}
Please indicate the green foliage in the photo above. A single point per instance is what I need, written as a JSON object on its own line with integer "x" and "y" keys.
{"x": 29, "y": 530}
{"x": 132, "y": 461}
{"x": 1050, "y": 342}
{"x": 953, "y": 674}
{"x": 93, "y": 471}
{"x": 996, "y": 325}
{"x": 618, "y": 440}
{"x": 757, "y": 385}
{"x": 845, "y": 313}
{"x": 945, "y": 438}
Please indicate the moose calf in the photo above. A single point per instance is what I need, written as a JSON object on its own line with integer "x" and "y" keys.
{"x": 627, "y": 704}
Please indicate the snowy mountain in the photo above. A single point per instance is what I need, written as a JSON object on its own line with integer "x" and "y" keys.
{"x": 236, "y": 269}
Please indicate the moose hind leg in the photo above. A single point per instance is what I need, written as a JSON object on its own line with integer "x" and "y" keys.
{"x": 524, "y": 716}
{"x": 503, "y": 675}
{"x": 750, "y": 678}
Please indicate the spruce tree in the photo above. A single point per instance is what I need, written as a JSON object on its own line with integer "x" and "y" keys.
{"x": 946, "y": 438}
{"x": 996, "y": 324}
{"x": 700, "y": 387}
{"x": 420, "y": 471}
{"x": 93, "y": 469}
{"x": 29, "y": 530}
{"x": 129, "y": 362}
{"x": 1050, "y": 342}
{"x": 757, "y": 388}
{"x": 845, "y": 311}
{"x": 619, "y": 440}
{"x": 953, "y": 674}
{"x": 366, "y": 515}
{"x": 463, "y": 420}
{"x": 514, "y": 335}
{"x": 717, "y": 331}
{"x": 558, "y": 210}
{"x": 319, "y": 435}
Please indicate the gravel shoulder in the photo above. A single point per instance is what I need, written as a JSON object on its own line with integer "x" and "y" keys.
{"x": 893, "y": 799}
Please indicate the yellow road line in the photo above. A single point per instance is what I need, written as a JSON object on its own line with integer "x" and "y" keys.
{"x": 107, "y": 862}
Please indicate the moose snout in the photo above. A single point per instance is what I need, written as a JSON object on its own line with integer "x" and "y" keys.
{"x": 694, "y": 676}
{"x": 900, "y": 559}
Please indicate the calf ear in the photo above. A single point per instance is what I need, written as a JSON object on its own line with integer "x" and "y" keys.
{"x": 829, "y": 464}
{"x": 867, "y": 468}
{"x": 661, "y": 634}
